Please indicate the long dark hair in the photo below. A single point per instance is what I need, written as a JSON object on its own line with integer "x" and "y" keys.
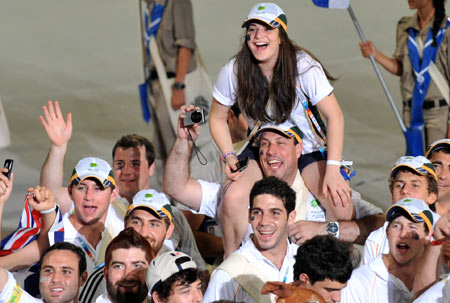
{"x": 439, "y": 15}
{"x": 254, "y": 89}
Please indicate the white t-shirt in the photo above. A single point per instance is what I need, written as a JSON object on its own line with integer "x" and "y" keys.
{"x": 11, "y": 289}
{"x": 223, "y": 287}
{"x": 438, "y": 293}
{"x": 313, "y": 84}
{"x": 372, "y": 283}
{"x": 103, "y": 299}
{"x": 211, "y": 193}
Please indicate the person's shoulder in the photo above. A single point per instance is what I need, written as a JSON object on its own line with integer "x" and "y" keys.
{"x": 405, "y": 22}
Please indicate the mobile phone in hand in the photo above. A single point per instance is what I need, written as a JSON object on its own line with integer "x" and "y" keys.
{"x": 241, "y": 165}
{"x": 9, "y": 165}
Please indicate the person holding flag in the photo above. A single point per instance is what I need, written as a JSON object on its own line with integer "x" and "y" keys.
{"x": 422, "y": 62}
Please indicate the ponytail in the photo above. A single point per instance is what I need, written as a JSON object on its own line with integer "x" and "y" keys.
{"x": 439, "y": 15}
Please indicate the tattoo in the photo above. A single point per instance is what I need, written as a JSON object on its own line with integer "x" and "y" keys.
{"x": 252, "y": 218}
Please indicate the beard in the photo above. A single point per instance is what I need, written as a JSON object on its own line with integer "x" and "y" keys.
{"x": 118, "y": 295}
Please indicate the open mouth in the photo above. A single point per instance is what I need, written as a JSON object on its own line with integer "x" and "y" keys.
{"x": 89, "y": 209}
{"x": 261, "y": 46}
{"x": 55, "y": 291}
{"x": 265, "y": 234}
{"x": 274, "y": 163}
{"x": 403, "y": 248}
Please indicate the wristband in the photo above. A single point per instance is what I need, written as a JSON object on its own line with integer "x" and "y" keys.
{"x": 436, "y": 243}
{"x": 48, "y": 211}
{"x": 225, "y": 155}
{"x": 333, "y": 162}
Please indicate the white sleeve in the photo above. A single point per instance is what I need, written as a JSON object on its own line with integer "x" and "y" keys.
{"x": 371, "y": 246}
{"x": 355, "y": 291}
{"x": 364, "y": 208}
{"x": 12, "y": 288}
{"x": 210, "y": 192}
{"x": 221, "y": 287}
{"x": 312, "y": 78}
{"x": 224, "y": 90}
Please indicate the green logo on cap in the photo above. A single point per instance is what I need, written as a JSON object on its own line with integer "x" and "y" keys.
{"x": 262, "y": 7}
{"x": 94, "y": 165}
{"x": 148, "y": 195}
{"x": 407, "y": 200}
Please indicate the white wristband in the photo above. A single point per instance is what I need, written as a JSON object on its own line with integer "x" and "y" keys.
{"x": 48, "y": 211}
{"x": 333, "y": 162}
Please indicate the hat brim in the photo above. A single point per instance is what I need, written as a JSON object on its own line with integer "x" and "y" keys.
{"x": 391, "y": 211}
{"x": 109, "y": 178}
{"x": 427, "y": 169}
{"x": 290, "y": 135}
{"x": 436, "y": 147}
{"x": 278, "y": 20}
{"x": 161, "y": 214}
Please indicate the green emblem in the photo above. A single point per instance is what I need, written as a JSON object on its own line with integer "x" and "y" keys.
{"x": 148, "y": 195}
{"x": 262, "y": 7}
{"x": 407, "y": 200}
{"x": 93, "y": 165}
{"x": 314, "y": 203}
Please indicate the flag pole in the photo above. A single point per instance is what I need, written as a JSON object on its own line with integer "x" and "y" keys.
{"x": 377, "y": 70}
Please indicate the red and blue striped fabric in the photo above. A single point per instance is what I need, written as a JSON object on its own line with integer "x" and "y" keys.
{"x": 27, "y": 231}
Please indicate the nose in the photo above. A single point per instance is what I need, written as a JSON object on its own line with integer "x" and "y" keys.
{"x": 405, "y": 191}
{"x": 126, "y": 169}
{"x": 443, "y": 174}
{"x": 197, "y": 296}
{"x": 56, "y": 277}
{"x": 89, "y": 193}
{"x": 271, "y": 150}
{"x": 336, "y": 297}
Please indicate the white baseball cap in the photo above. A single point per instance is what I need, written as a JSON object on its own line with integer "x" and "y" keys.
{"x": 155, "y": 201}
{"x": 269, "y": 13}
{"x": 92, "y": 167}
{"x": 164, "y": 266}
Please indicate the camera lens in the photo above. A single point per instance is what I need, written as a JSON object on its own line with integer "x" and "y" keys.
{"x": 196, "y": 117}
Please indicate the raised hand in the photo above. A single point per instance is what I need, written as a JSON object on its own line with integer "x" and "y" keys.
{"x": 6, "y": 185}
{"x": 40, "y": 198}
{"x": 58, "y": 130}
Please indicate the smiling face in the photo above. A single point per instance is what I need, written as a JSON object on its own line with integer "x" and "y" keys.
{"x": 264, "y": 43}
{"x": 60, "y": 279}
{"x": 153, "y": 229}
{"x": 278, "y": 156}
{"x": 125, "y": 275}
{"x": 407, "y": 241}
{"x": 91, "y": 201}
{"x": 131, "y": 170}
{"x": 441, "y": 163}
{"x": 409, "y": 185}
{"x": 269, "y": 220}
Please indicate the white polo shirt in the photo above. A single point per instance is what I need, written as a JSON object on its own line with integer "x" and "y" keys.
{"x": 223, "y": 287}
{"x": 13, "y": 293}
{"x": 372, "y": 283}
{"x": 439, "y": 292}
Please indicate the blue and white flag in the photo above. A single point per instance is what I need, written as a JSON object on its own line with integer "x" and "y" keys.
{"x": 339, "y": 4}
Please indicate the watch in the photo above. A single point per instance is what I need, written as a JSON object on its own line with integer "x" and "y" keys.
{"x": 179, "y": 86}
{"x": 333, "y": 229}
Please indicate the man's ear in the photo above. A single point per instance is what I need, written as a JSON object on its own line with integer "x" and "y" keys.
{"x": 169, "y": 231}
{"x": 156, "y": 298}
{"x": 114, "y": 194}
{"x": 432, "y": 198}
{"x": 291, "y": 217}
{"x": 230, "y": 116}
{"x": 298, "y": 149}
{"x": 304, "y": 281}
{"x": 83, "y": 278}
{"x": 151, "y": 169}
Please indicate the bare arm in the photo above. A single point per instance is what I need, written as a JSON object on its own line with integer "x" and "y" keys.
{"x": 59, "y": 133}
{"x": 349, "y": 231}
{"x": 219, "y": 131}
{"x": 184, "y": 57}
{"x": 428, "y": 270}
{"x": 42, "y": 200}
{"x": 176, "y": 180}
{"x": 333, "y": 183}
{"x": 392, "y": 65}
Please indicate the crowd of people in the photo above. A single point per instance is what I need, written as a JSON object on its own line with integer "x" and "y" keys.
{"x": 268, "y": 216}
